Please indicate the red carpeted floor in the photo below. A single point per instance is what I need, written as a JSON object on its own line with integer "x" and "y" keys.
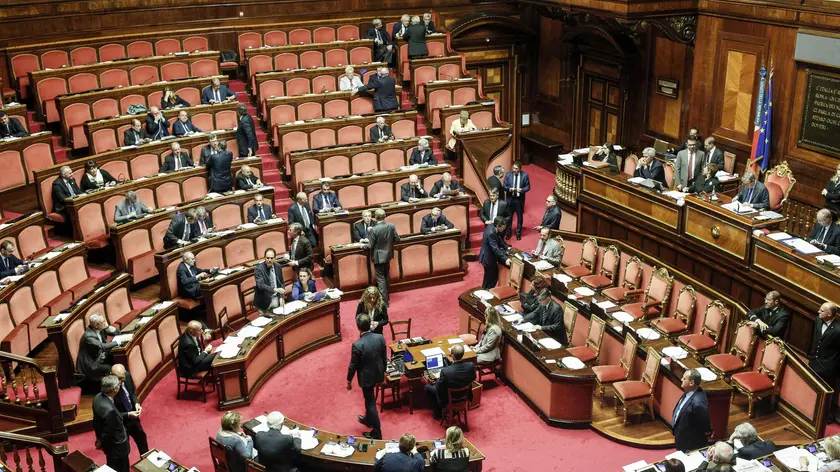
{"x": 311, "y": 390}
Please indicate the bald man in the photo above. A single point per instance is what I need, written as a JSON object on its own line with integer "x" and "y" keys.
{"x": 129, "y": 407}
{"x": 193, "y": 352}
{"x": 825, "y": 348}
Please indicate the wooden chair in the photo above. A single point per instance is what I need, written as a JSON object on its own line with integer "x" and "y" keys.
{"x": 590, "y": 351}
{"x": 779, "y": 182}
{"x": 705, "y": 343}
{"x": 200, "y": 380}
{"x": 218, "y": 453}
{"x": 249, "y": 306}
{"x": 670, "y": 171}
{"x": 632, "y": 281}
{"x": 739, "y": 356}
{"x": 224, "y": 323}
{"x": 459, "y": 404}
{"x": 570, "y": 313}
{"x": 762, "y": 382}
{"x": 392, "y": 385}
{"x": 654, "y": 298}
{"x": 395, "y": 332}
{"x": 683, "y": 315}
{"x": 606, "y": 375}
{"x": 251, "y": 466}
{"x": 588, "y": 256}
{"x": 516, "y": 272}
{"x": 472, "y": 335}
{"x": 630, "y": 392}
{"x": 729, "y": 159}
{"x": 630, "y": 165}
{"x": 609, "y": 270}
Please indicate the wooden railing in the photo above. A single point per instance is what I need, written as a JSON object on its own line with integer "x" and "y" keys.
{"x": 30, "y": 394}
{"x": 801, "y": 217}
{"x": 13, "y": 446}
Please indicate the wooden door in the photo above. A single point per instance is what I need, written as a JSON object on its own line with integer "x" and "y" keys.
{"x": 602, "y": 110}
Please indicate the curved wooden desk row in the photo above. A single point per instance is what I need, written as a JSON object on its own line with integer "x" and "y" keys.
{"x": 21, "y": 157}
{"x": 483, "y": 115}
{"x": 281, "y": 341}
{"x": 313, "y": 164}
{"x": 438, "y": 45}
{"x": 279, "y": 82}
{"x": 337, "y": 228}
{"x": 321, "y": 104}
{"x": 135, "y": 242}
{"x": 419, "y": 260}
{"x": 108, "y": 133}
{"x": 245, "y": 244}
{"x": 53, "y": 285}
{"x": 307, "y": 56}
{"x": 456, "y": 91}
{"x": 479, "y": 152}
{"x": 434, "y": 68}
{"x": 27, "y": 233}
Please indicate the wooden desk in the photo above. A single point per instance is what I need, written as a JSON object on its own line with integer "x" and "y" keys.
{"x": 435, "y": 63}
{"x": 146, "y": 465}
{"x": 22, "y": 157}
{"x": 359, "y": 461}
{"x": 419, "y": 260}
{"x": 298, "y": 49}
{"x": 483, "y": 115}
{"x": 479, "y": 152}
{"x": 288, "y": 109}
{"x": 77, "y": 461}
{"x": 27, "y": 233}
{"x": 437, "y": 44}
{"x": 281, "y": 341}
{"x": 449, "y": 89}
{"x": 282, "y": 76}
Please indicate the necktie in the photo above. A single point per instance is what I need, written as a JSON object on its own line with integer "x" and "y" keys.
{"x": 749, "y": 196}
{"x": 294, "y": 249}
{"x": 202, "y": 226}
{"x": 690, "y": 166}
{"x": 189, "y": 271}
{"x": 125, "y": 399}
{"x": 5, "y": 263}
{"x": 70, "y": 187}
{"x": 367, "y": 228}
{"x": 136, "y": 137}
{"x": 516, "y": 183}
{"x": 824, "y": 232}
{"x": 177, "y": 161}
{"x": 493, "y": 211}
{"x": 303, "y": 213}
{"x": 326, "y": 202}
{"x": 262, "y": 215}
{"x": 186, "y": 232}
{"x": 200, "y": 342}
{"x": 131, "y": 209}
{"x": 273, "y": 278}
{"x": 217, "y": 95}
{"x": 378, "y": 36}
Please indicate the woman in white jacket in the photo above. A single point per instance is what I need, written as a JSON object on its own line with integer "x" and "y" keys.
{"x": 487, "y": 348}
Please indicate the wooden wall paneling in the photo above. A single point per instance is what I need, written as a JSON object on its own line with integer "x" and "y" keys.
{"x": 669, "y": 60}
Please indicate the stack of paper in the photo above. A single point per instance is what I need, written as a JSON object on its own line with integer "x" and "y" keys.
{"x": 249, "y": 332}
{"x": 162, "y": 305}
{"x": 675, "y": 352}
{"x": 675, "y": 195}
{"x": 636, "y": 180}
{"x": 432, "y": 351}
{"x": 247, "y": 226}
{"x": 779, "y": 236}
{"x": 291, "y": 307}
{"x": 830, "y": 258}
{"x": 606, "y": 305}
{"x": 802, "y": 246}
{"x": 60, "y": 317}
{"x": 573, "y": 363}
{"x": 483, "y": 294}
{"x": 622, "y": 316}
{"x": 158, "y": 458}
{"x": 563, "y": 278}
{"x": 512, "y": 318}
{"x": 648, "y": 334}
{"x": 333, "y": 293}
{"x": 769, "y": 214}
{"x": 749, "y": 466}
{"x": 739, "y": 208}
{"x": 525, "y": 327}
{"x": 337, "y": 450}
{"x": 261, "y": 321}
{"x": 790, "y": 458}
{"x": 228, "y": 351}
{"x": 690, "y": 461}
{"x": 123, "y": 338}
{"x": 550, "y": 343}
{"x": 454, "y": 340}
{"x": 543, "y": 265}
{"x": 584, "y": 291}
{"x": 706, "y": 375}
{"x": 390, "y": 447}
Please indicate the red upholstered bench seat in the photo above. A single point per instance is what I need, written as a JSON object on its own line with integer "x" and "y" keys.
{"x": 596, "y": 281}
{"x": 577, "y": 271}
{"x": 186, "y": 303}
{"x": 636, "y": 310}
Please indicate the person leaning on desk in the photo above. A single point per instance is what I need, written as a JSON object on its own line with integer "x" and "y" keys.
{"x": 529, "y": 300}
{"x": 753, "y": 193}
{"x": 304, "y": 285}
{"x": 548, "y": 317}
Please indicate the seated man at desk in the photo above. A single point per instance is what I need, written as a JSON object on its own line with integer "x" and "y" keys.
{"x": 707, "y": 181}
{"x": 381, "y": 132}
{"x": 189, "y": 277}
{"x": 435, "y": 221}
{"x": 194, "y": 355}
{"x": 350, "y": 80}
{"x": 95, "y": 178}
{"x": 551, "y": 217}
{"x": 179, "y": 232}
{"x": 216, "y": 93}
{"x": 203, "y": 223}
{"x": 493, "y": 207}
{"x": 548, "y": 317}
{"x": 422, "y": 154}
{"x": 326, "y": 200}
{"x": 459, "y": 374}
{"x": 718, "y": 458}
{"x": 94, "y": 360}
{"x": 11, "y": 127}
{"x": 361, "y": 228}
{"x": 461, "y": 125}
{"x": 247, "y": 180}
{"x": 9, "y": 263}
{"x": 429, "y": 24}
{"x": 156, "y": 124}
{"x": 301, "y": 213}
{"x": 259, "y": 211}
{"x": 650, "y": 168}
{"x": 278, "y": 452}
{"x": 412, "y": 190}
{"x": 184, "y": 126}
{"x": 826, "y": 233}
{"x": 130, "y": 208}
{"x": 548, "y": 249}
{"x": 771, "y": 318}
{"x": 210, "y": 149}
{"x": 135, "y": 135}
{"x": 268, "y": 278}
{"x": 300, "y": 252}
{"x": 752, "y": 447}
{"x": 176, "y": 160}
{"x": 64, "y": 187}
{"x": 409, "y": 459}
{"x": 445, "y": 187}
{"x": 753, "y": 193}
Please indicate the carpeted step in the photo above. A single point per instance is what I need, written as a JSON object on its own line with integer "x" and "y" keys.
{"x": 35, "y": 126}
{"x": 473, "y": 212}
{"x": 236, "y": 86}
{"x": 60, "y": 151}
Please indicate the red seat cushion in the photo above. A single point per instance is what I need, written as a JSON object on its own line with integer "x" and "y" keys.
{"x": 725, "y": 362}
{"x": 632, "y": 389}
{"x": 226, "y": 65}
{"x": 697, "y": 342}
{"x": 469, "y": 339}
{"x": 596, "y": 281}
{"x": 504, "y": 292}
{"x": 126, "y": 318}
{"x": 635, "y": 310}
{"x": 577, "y": 271}
{"x": 669, "y": 325}
{"x": 186, "y": 303}
{"x": 609, "y": 373}
{"x": 753, "y": 381}
{"x": 584, "y": 353}
{"x": 615, "y": 294}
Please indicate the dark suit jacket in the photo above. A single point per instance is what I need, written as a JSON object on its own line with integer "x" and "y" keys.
{"x": 456, "y": 375}
{"x": 430, "y": 28}
{"x": 494, "y": 183}
{"x": 253, "y": 213}
{"x": 165, "y": 105}
{"x": 407, "y": 192}
{"x": 756, "y": 450}
{"x": 379, "y": 50}
{"x": 825, "y": 351}
{"x": 206, "y": 152}
{"x": 278, "y": 452}
{"x": 108, "y": 424}
{"x": 13, "y": 128}
{"x": 832, "y": 196}
{"x": 524, "y": 184}
{"x": 399, "y": 27}
{"x": 551, "y": 218}
{"x": 175, "y": 232}
{"x": 188, "y": 285}
{"x": 93, "y": 359}
{"x": 684, "y": 146}
{"x": 655, "y": 171}
{"x": 430, "y": 222}
{"x": 189, "y": 355}
{"x": 701, "y": 185}
{"x": 246, "y": 136}
{"x": 224, "y": 92}
{"x": 61, "y": 192}
{"x": 493, "y": 247}
{"x": 400, "y": 462}
{"x": 453, "y": 185}
{"x": 318, "y": 201}
{"x": 359, "y": 231}
{"x": 382, "y": 237}
{"x": 90, "y": 184}
{"x": 693, "y": 423}
{"x": 180, "y": 128}
{"x": 428, "y": 157}
{"x": 831, "y": 238}
{"x": 503, "y": 210}
{"x": 367, "y": 360}
{"x": 156, "y": 129}
{"x": 295, "y": 216}
{"x": 385, "y": 93}
{"x": 376, "y": 133}
{"x": 9, "y": 268}
{"x": 550, "y": 320}
{"x": 219, "y": 175}
{"x": 262, "y": 276}
{"x": 715, "y": 157}
{"x": 132, "y": 397}
{"x": 760, "y": 198}
{"x": 380, "y": 316}
{"x": 302, "y": 252}
{"x": 132, "y": 138}
{"x": 415, "y": 35}
{"x": 245, "y": 182}
{"x": 169, "y": 162}
{"x": 776, "y": 320}
{"x": 195, "y": 228}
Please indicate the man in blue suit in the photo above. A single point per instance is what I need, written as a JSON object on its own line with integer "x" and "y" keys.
{"x": 385, "y": 90}
{"x": 753, "y": 193}
{"x": 216, "y": 93}
{"x": 409, "y": 459}
{"x": 326, "y": 200}
{"x": 516, "y": 184}
{"x": 184, "y": 126}
{"x": 493, "y": 251}
{"x": 691, "y": 422}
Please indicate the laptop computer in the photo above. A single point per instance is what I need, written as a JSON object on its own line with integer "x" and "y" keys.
{"x": 434, "y": 364}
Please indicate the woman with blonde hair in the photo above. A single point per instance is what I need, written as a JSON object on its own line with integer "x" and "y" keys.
{"x": 231, "y": 435}
{"x": 487, "y": 349}
{"x": 454, "y": 457}
{"x": 373, "y": 305}
{"x": 831, "y": 192}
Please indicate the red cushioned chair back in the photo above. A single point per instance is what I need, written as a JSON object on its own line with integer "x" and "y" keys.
{"x": 391, "y": 159}
{"x": 364, "y": 162}
{"x": 194, "y": 188}
{"x": 651, "y": 368}
{"x": 299, "y": 36}
{"x": 659, "y": 287}
{"x": 46, "y": 288}
{"x": 335, "y": 108}
{"x": 633, "y": 273}
{"x": 226, "y": 216}
{"x": 628, "y": 354}
{"x": 203, "y": 121}
{"x": 13, "y": 174}
{"x": 287, "y": 61}
{"x": 54, "y": 59}
{"x": 436, "y": 49}
{"x": 118, "y": 304}
{"x": 352, "y": 196}
{"x": 630, "y": 164}
{"x": 109, "y": 52}
{"x": 36, "y": 157}
{"x": 167, "y": 46}
{"x": 48, "y": 89}
{"x": 83, "y": 56}
{"x": 256, "y": 64}
{"x": 322, "y": 137}
{"x": 350, "y": 135}
{"x": 464, "y": 95}
{"x": 74, "y": 337}
{"x": 294, "y": 141}
{"x": 238, "y": 252}
{"x": 361, "y": 106}
{"x": 324, "y": 34}
{"x": 686, "y": 303}
{"x": 309, "y": 110}
{"x": 271, "y": 88}
{"x": 196, "y": 43}
{"x": 23, "y": 64}
{"x": 167, "y": 194}
{"x": 275, "y": 38}
{"x": 449, "y": 71}
{"x": 142, "y": 75}
{"x": 589, "y": 253}
{"x": 114, "y": 78}
{"x": 282, "y": 114}
{"x": 310, "y": 59}
{"x": 669, "y": 174}
{"x": 105, "y": 108}
{"x": 744, "y": 345}
{"x": 204, "y": 68}
{"x": 422, "y": 75}
{"x": 175, "y": 70}
{"x": 140, "y": 49}
{"x": 772, "y": 358}
{"x": 190, "y": 94}
{"x": 348, "y": 32}
{"x": 31, "y": 240}
{"x": 144, "y": 165}
{"x": 404, "y": 128}
{"x": 324, "y": 83}
{"x": 247, "y": 41}
{"x": 335, "y": 58}
{"x": 336, "y": 165}
{"x": 714, "y": 319}
{"x": 226, "y": 119}
{"x": 595, "y": 334}
{"x": 609, "y": 262}
{"x": 297, "y": 86}
{"x": 91, "y": 222}
{"x": 210, "y": 257}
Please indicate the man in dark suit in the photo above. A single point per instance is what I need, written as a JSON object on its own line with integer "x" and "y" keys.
{"x": 247, "y": 180}
{"x": 189, "y": 277}
{"x": 94, "y": 359}
{"x": 380, "y": 132}
{"x": 400, "y": 27}
{"x": 383, "y": 48}
{"x": 156, "y": 124}
{"x": 367, "y": 361}
{"x": 216, "y": 93}
{"x": 548, "y": 317}
{"x": 493, "y": 207}
{"x": 130, "y": 208}
{"x": 193, "y": 355}
{"x": 136, "y": 135}
{"x": 456, "y": 375}
{"x": 493, "y": 252}
{"x": 435, "y": 221}
{"x": 691, "y": 423}
{"x": 693, "y": 133}
{"x": 713, "y": 155}
{"x": 211, "y": 148}
{"x": 326, "y": 200}
{"x": 176, "y": 160}
{"x": 361, "y": 229}
{"x": 268, "y": 278}
{"x": 429, "y": 24}
{"x": 826, "y": 232}
{"x": 246, "y": 134}
{"x": 184, "y": 126}
{"x": 516, "y": 184}
{"x": 753, "y": 193}
{"x": 412, "y": 190}
{"x": 771, "y": 318}
{"x": 129, "y": 408}
{"x": 551, "y": 217}
{"x": 382, "y": 237}
{"x": 300, "y": 212}
{"x": 64, "y": 187}
{"x": 259, "y": 211}
{"x": 719, "y": 457}
{"x": 409, "y": 459}
{"x": 300, "y": 250}
{"x": 219, "y": 173}
{"x": 415, "y": 36}
{"x": 495, "y": 181}
{"x": 9, "y": 263}
{"x": 179, "y": 232}
{"x": 278, "y": 452}
{"x": 650, "y": 168}
{"x": 752, "y": 447}
{"x": 446, "y": 186}
{"x": 825, "y": 348}
{"x": 422, "y": 154}
{"x": 109, "y": 427}
{"x": 11, "y": 127}
{"x": 384, "y": 91}
{"x": 203, "y": 223}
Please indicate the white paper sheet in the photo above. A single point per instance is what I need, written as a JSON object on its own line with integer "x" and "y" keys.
{"x": 573, "y": 363}
{"x": 455, "y": 340}
{"x": 606, "y": 305}
{"x": 739, "y": 208}
{"x": 542, "y": 265}
{"x": 159, "y": 458}
{"x": 648, "y": 334}
{"x": 675, "y": 352}
{"x": 803, "y": 246}
{"x": 290, "y": 307}
{"x": 432, "y": 351}
{"x": 790, "y": 457}
{"x": 636, "y": 180}
{"x": 706, "y": 375}
{"x": 779, "y": 236}
{"x": 550, "y": 343}
{"x": 525, "y": 327}
{"x": 483, "y": 294}
{"x": 144, "y": 320}
{"x": 690, "y": 461}
{"x": 123, "y": 338}
{"x": 261, "y": 321}
{"x": 249, "y": 332}
{"x": 563, "y": 278}
{"x": 513, "y": 318}
{"x": 584, "y": 291}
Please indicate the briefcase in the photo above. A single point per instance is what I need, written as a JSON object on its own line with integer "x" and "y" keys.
{"x": 477, "y": 387}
